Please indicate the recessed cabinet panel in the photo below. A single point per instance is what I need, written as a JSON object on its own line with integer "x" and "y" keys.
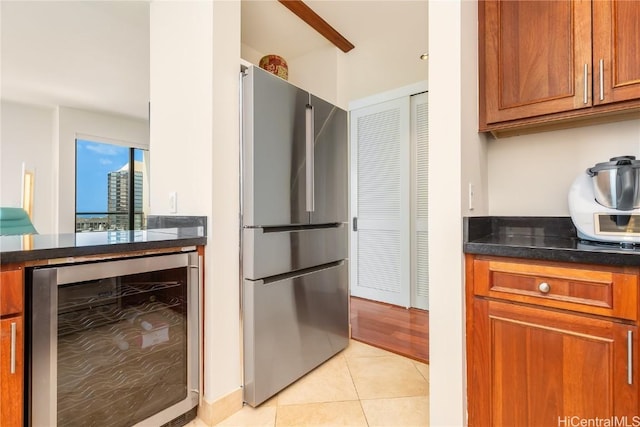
{"x": 525, "y": 63}
{"x": 616, "y": 29}
{"x": 608, "y": 292}
{"x": 545, "y": 366}
{"x": 534, "y": 55}
{"x": 547, "y": 65}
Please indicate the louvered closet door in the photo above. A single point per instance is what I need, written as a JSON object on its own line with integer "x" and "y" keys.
{"x": 380, "y": 183}
{"x": 420, "y": 202}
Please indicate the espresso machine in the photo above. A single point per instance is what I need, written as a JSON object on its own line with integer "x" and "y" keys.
{"x": 604, "y": 202}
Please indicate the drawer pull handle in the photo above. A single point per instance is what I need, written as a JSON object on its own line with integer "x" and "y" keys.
{"x": 544, "y": 287}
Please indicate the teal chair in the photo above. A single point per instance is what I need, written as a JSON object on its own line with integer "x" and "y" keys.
{"x": 15, "y": 221}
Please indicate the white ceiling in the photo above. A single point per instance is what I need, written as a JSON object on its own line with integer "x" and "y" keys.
{"x": 84, "y": 54}
{"x": 95, "y": 54}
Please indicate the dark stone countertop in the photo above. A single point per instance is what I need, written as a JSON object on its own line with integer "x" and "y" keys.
{"x": 543, "y": 238}
{"x": 37, "y": 247}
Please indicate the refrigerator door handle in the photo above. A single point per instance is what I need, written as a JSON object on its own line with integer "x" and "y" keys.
{"x": 309, "y": 134}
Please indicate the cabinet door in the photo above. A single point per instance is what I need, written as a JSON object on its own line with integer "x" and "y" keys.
{"x": 535, "y": 58}
{"x": 11, "y": 371}
{"x": 535, "y": 367}
{"x": 616, "y": 31}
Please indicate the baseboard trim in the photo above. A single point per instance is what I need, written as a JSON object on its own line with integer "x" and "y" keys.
{"x": 214, "y": 412}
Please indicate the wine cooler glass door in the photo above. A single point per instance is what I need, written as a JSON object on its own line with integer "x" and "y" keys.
{"x": 121, "y": 345}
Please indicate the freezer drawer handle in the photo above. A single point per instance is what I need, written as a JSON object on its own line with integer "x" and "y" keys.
{"x": 310, "y": 133}
{"x": 355, "y": 223}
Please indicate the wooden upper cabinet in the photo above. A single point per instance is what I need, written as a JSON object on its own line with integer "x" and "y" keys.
{"x": 616, "y": 58}
{"x": 550, "y": 62}
{"x": 535, "y": 54}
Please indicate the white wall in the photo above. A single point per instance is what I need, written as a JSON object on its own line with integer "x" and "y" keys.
{"x": 27, "y": 132}
{"x": 45, "y": 139}
{"x": 382, "y": 64}
{"x": 317, "y": 72}
{"x": 70, "y": 123}
{"x": 531, "y": 174}
{"x": 223, "y": 297}
{"x": 456, "y": 154}
{"x": 195, "y": 54}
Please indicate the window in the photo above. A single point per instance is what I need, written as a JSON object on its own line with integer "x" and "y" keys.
{"x": 108, "y": 197}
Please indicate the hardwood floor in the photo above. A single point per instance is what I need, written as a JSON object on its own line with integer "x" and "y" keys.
{"x": 393, "y": 328}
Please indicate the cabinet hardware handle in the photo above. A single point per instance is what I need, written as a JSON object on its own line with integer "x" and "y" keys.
{"x": 355, "y": 223}
{"x": 602, "y": 80}
{"x": 13, "y": 347}
{"x": 630, "y": 357}
{"x": 544, "y": 287}
{"x": 586, "y": 87}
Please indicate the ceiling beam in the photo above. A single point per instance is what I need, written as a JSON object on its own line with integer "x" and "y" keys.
{"x": 307, "y": 14}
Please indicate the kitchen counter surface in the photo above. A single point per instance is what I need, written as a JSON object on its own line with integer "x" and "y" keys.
{"x": 543, "y": 238}
{"x": 57, "y": 247}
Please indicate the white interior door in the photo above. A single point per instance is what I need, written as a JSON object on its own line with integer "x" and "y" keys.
{"x": 380, "y": 202}
{"x": 420, "y": 201}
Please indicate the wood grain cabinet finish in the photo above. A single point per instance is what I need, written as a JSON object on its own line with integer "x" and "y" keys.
{"x": 11, "y": 346}
{"x": 616, "y": 32}
{"x": 543, "y": 62}
{"x": 606, "y": 291}
{"x": 538, "y": 366}
{"x": 535, "y": 358}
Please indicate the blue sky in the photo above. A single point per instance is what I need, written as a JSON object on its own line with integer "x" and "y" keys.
{"x": 93, "y": 162}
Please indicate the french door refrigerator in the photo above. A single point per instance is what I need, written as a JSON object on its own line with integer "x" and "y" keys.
{"x": 295, "y": 303}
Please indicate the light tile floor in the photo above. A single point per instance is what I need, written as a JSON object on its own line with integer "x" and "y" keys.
{"x": 361, "y": 386}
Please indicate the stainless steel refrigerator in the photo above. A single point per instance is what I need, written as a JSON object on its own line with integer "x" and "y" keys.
{"x": 295, "y": 297}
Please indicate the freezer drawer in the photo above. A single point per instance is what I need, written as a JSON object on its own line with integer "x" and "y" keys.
{"x": 268, "y": 252}
{"x": 291, "y": 326}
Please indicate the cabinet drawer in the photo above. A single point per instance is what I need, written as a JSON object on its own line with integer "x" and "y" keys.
{"x": 11, "y": 292}
{"x": 601, "y": 290}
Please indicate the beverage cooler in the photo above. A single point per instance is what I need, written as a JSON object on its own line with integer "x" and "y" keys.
{"x": 115, "y": 343}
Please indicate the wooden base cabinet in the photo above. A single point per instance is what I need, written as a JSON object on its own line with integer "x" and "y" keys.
{"x": 11, "y": 348}
{"x": 531, "y": 365}
{"x": 536, "y": 367}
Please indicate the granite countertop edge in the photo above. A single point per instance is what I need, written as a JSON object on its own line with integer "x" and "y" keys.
{"x": 540, "y": 238}
{"x": 616, "y": 258}
{"x": 18, "y": 256}
{"x": 164, "y": 232}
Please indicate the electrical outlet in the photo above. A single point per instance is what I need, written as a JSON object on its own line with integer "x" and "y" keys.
{"x": 471, "y": 196}
{"x": 173, "y": 202}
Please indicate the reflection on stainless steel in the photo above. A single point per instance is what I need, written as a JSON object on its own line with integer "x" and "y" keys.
{"x": 269, "y": 253}
{"x": 294, "y": 237}
{"x": 294, "y": 325}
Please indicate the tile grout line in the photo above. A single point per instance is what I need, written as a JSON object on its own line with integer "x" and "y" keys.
{"x": 366, "y": 420}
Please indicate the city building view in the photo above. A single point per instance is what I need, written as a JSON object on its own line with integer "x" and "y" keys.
{"x": 117, "y": 215}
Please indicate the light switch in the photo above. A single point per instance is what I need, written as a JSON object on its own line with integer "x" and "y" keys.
{"x": 173, "y": 202}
